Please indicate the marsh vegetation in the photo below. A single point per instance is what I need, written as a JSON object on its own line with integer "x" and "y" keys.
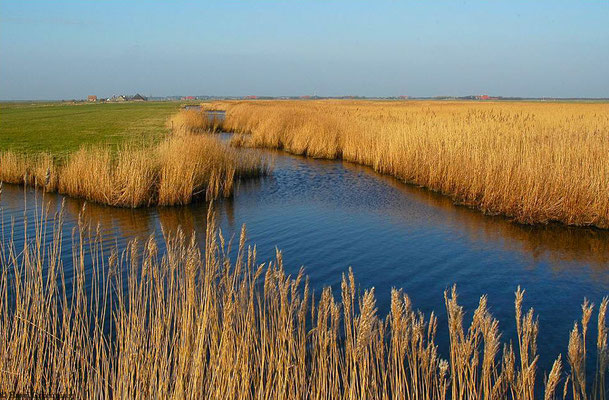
{"x": 194, "y": 120}
{"x": 533, "y": 162}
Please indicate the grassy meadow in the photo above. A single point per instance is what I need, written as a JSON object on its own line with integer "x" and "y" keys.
{"x": 62, "y": 128}
{"x": 125, "y": 155}
{"x": 533, "y": 162}
{"x": 186, "y": 323}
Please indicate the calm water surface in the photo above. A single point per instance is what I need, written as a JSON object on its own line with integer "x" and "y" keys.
{"x": 330, "y": 215}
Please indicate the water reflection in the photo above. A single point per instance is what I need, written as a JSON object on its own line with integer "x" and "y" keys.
{"x": 563, "y": 247}
{"x": 124, "y": 224}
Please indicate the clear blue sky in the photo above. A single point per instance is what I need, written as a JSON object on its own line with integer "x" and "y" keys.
{"x": 62, "y": 50}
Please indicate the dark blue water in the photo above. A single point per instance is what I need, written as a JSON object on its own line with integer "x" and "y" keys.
{"x": 329, "y": 215}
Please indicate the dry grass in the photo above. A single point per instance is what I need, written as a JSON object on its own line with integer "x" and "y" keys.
{"x": 39, "y": 170}
{"x": 12, "y": 167}
{"x": 217, "y": 105}
{"x": 187, "y": 324}
{"x": 190, "y": 121}
{"x": 210, "y": 169}
{"x": 177, "y": 171}
{"x": 533, "y": 162}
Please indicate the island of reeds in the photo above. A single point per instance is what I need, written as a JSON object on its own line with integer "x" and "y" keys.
{"x": 534, "y": 162}
{"x": 184, "y": 166}
{"x": 185, "y": 323}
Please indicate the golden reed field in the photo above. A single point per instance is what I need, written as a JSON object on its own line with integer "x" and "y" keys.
{"x": 187, "y": 323}
{"x": 533, "y": 162}
{"x": 183, "y": 167}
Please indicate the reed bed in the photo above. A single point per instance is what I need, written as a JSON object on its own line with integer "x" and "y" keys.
{"x": 532, "y": 162}
{"x": 186, "y": 323}
{"x": 176, "y": 171}
{"x": 192, "y": 121}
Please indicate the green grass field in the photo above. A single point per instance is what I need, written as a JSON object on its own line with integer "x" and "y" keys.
{"x": 61, "y": 128}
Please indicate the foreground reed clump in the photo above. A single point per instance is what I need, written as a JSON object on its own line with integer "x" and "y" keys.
{"x": 174, "y": 172}
{"x": 183, "y": 323}
{"x": 532, "y": 162}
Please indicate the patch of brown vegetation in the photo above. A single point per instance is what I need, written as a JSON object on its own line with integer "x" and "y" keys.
{"x": 532, "y": 162}
{"x": 174, "y": 172}
{"x": 192, "y": 121}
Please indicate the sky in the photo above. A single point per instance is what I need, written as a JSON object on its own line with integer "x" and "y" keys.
{"x": 70, "y": 49}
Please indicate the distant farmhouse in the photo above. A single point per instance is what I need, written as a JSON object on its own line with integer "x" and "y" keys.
{"x": 122, "y": 97}
{"x": 92, "y": 98}
{"x": 138, "y": 97}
